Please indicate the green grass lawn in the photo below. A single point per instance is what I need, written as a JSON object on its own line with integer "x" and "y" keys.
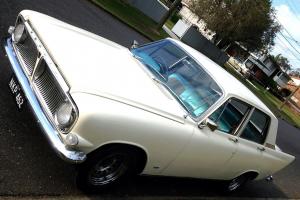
{"x": 169, "y": 24}
{"x": 269, "y": 99}
{"x": 132, "y": 17}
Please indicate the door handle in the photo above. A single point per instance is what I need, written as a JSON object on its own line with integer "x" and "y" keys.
{"x": 261, "y": 148}
{"x": 233, "y": 139}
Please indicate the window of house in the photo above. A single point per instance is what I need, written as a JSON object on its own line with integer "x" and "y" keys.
{"x": 248, "y": 63}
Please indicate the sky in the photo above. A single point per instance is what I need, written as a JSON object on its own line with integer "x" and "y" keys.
{"x": 288, "y": 14}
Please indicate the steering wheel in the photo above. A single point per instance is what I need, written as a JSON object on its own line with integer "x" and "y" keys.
{"x": 162, "y": 64}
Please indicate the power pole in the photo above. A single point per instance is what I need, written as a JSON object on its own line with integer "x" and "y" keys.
{"x": 288, "y": 98}
{"x": 168, "y": 14}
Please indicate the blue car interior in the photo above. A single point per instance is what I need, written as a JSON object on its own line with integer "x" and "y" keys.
{"x": 227, "y": 118}
{"x": 181, "y": 74}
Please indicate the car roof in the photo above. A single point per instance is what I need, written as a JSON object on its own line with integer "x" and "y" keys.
{"x": 230, "y": 85}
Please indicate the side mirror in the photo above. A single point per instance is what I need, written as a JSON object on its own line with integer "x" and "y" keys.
{"x": 209, "y": 123}
{"x": 134, "y": 44}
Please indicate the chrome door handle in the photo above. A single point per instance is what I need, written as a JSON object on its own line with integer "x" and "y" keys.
{"x": 233, "y": 139}
{"x": 261, "y": 148}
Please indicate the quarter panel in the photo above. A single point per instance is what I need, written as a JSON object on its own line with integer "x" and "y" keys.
{"x": 274, "y": 161}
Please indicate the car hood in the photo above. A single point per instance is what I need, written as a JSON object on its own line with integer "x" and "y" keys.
{"x": 94, "y": 65}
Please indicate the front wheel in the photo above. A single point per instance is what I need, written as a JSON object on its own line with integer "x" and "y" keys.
{"x": 106, "y": 168}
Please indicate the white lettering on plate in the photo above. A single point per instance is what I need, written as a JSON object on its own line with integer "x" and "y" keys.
{"x": 19, "y": 100}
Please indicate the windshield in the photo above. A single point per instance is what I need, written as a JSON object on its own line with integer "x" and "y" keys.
{"x": 181, "y": 74}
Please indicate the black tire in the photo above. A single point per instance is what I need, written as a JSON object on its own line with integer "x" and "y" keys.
{"x": 236, "y": 183}
{"x": 106, "y": 168}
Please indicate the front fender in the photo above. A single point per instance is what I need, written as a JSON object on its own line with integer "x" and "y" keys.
{"x": 103, "y": 121}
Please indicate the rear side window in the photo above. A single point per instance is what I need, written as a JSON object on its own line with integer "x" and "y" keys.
{"x": 229, "y": 116}
{"x": 257, "y": 128}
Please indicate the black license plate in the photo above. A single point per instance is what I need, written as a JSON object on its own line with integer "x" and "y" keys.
{"x": 17, "y": 92}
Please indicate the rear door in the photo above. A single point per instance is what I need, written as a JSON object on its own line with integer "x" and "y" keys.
{"x": 250, "y": 155}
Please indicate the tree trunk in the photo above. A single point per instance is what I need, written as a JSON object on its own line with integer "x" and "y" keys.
{"x": 168, "y": 14}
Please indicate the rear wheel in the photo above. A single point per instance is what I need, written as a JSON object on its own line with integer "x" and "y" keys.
{"x": 236, "y": 183}
{"x": 106, "y": 168}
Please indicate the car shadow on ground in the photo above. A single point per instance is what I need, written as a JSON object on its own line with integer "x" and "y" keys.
{"x": 185, "y": 187}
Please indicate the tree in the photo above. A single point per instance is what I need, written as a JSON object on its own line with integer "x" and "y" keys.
{"x": 250, "y": 22}
{"x": 282, "y": 62}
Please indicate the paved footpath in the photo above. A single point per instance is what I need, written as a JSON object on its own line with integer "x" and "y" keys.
{"x": 30, "y": 169}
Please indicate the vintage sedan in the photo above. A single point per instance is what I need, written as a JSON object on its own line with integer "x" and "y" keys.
{"x": 158, "y": 109}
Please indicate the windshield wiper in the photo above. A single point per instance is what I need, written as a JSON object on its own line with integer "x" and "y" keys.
{"x": 137, "y": 57}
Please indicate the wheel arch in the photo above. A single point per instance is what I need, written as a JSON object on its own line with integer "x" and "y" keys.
{"x": 141, "y": 152}
{"x": 252, "y": 174}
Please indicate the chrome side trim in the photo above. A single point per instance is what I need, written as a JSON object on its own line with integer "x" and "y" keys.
{"x": 49, "y": 131}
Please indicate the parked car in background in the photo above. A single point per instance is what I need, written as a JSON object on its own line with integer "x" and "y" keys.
{"x": 158, "y": 109}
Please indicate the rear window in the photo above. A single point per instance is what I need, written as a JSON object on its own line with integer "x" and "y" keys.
{"x": 256, "y": 129}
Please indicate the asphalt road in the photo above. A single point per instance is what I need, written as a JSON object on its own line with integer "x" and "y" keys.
{"x": 28, "y": 167}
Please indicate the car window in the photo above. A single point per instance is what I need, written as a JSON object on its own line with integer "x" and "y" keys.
{"x": 229, "y": 116}
{"x": 183, "y": 76}
{"x": 159, "y": 55}
{"x": 257, "y": 127}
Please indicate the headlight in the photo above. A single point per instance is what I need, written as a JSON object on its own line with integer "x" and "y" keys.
{"x": 19, "y": 33}
{"x": 65, "y": 116}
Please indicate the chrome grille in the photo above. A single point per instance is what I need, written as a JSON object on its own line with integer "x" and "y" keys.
{"x": 28, "y": 53}
{"x": 48, "y": 84}
{"x": 52, "y": 95}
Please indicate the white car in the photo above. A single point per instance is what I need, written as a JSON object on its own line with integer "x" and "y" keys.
{"x": 158, "y": 109}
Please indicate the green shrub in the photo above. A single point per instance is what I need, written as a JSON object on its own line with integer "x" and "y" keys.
{"x": 175, "y": 17}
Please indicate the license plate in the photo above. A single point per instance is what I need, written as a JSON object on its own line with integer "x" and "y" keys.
{"x": 17, "y": 92}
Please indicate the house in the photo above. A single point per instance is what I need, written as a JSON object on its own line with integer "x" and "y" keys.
{"x": 264, "y": 69}
{"x": 238, "y": 52}
{"x": 293, "y": 85}
{"x": 282, "y": 79}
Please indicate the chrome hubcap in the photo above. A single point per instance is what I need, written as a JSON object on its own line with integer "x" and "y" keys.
{"x": 236, "y": 183}
{"x": 108, "y": 170}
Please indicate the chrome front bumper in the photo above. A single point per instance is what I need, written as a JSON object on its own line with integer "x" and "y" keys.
{"x": 49, "y": 131}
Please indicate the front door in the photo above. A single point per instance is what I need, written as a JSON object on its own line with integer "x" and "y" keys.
{"x": 209, "y": 152}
